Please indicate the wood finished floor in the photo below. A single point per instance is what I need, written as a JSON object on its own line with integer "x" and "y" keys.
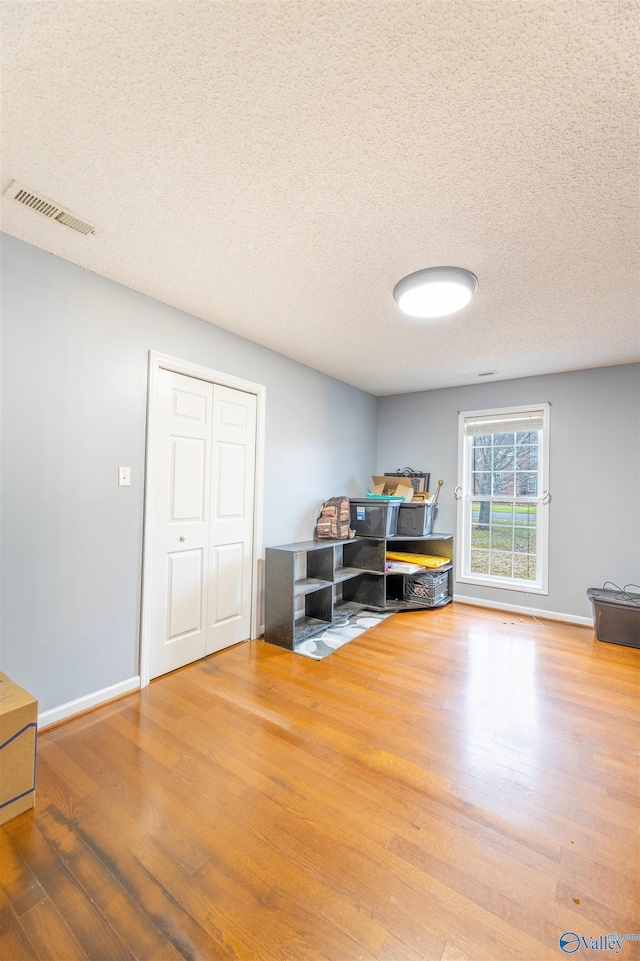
{"x": 453, "y": 784}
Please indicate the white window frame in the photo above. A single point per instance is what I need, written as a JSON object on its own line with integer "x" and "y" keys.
{"x": 466, "y": 497}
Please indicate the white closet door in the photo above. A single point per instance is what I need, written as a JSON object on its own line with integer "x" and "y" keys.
{"x": 204, "y": 492}
{"x": 181, "y": 535}
{"x": 232, "y": 505}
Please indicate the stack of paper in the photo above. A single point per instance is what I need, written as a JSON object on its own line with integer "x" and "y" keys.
{"x": 403, "y": 567}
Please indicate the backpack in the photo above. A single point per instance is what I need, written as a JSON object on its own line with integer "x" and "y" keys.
{"x": 334, "y": 519}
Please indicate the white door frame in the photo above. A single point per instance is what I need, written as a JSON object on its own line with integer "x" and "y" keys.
{"x": 159, "y": 361}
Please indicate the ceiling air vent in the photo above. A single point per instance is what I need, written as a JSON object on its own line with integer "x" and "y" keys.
{"x": 48, "y": 208}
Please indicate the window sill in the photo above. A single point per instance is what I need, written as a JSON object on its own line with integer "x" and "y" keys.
{"x": 503, "y": 584}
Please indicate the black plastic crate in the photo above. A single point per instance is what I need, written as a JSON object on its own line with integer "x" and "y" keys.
{"x": 429, "y": 588}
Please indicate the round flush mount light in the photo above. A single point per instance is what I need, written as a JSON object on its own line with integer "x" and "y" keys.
{"x": 435, "y": 291}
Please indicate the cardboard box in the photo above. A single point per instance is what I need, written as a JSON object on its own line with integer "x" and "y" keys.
{"x": 18, "y": 739}
{"x": 393, "y": 487}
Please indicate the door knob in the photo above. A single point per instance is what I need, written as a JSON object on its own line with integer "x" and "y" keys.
{"x": 182, "y": 539}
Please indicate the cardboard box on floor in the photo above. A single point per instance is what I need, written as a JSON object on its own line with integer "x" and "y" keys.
{"x": 18, "y": 737}
{"x": 393, "y": 487}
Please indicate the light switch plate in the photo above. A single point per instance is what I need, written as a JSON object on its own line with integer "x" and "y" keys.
{"x": 124, "y": 477}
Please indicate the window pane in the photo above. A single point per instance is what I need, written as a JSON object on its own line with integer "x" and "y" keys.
{"x": 479, "y": 562}
{"x": 480, "y": 537}
{"x": 527, "y": 514}
{"x": 527, "y": 458}
{"x": 482, "y": 458}
{"x": 525, "y": 567}
{"x": 503, "y": 482}
{"x": 503, "y": 440}
{"x": 525, "y": 540}
{"x": 526, "y": 483}
{"x": 481, "y": 513}
{"x": 482, "y": 440}
{"x": 502, "y": 514}
{"x": 527, "y": 437}
{"x": 501, "y": 563}
{"x": 503, "y": 458}
{"x": 502, "y": 538}
{"x": 482, "y": 483}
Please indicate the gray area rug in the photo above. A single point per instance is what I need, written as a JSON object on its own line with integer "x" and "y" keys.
{"x": 350, "y": 626}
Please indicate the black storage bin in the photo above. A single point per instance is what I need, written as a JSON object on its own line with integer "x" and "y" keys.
{"x": 617, "y": 618}
{"x": 374, "y": 516}
{"x": 415, "y": 520}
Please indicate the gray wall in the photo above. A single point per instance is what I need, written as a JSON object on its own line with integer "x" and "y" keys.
{"x": 594, "y": 521}
{"x": 74, "y": 380}
{"x": 74, "y": 375}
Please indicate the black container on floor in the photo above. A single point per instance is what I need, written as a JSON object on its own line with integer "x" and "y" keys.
{"x": 617, "y": 616}
{"x": 415, "y": 520}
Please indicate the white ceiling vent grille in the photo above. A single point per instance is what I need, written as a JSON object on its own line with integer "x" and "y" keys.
{"x": 48, "y": 208}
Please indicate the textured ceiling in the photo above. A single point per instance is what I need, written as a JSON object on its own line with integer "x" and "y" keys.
{"x": 275, "y": 167}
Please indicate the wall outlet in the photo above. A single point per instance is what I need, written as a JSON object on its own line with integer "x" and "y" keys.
{"x": 124, "y": 477}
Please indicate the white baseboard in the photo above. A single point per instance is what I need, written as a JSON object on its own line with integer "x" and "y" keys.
{"x": 81, "y": 704}
{"x": 525, "y": 609}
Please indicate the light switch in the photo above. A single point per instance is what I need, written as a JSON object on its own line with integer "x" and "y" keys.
{"x": 124, "y": 477}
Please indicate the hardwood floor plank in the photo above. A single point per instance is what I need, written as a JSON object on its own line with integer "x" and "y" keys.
{"x": 520, "y": 874}
{"x": 227, "y": 832}
{"x": 420, "y": 893}
{"x": 454, "y": 784}
{"x": 14, "y": 943}
{"x": 176, "y": 923}
{"x": 609, "y": 880}
{"x": 20, "y": 885}
{"x": 560, "y": 822}
{"x": 50, "y": 936}
{"x": 266, "y": 867}
{"x": 229, "y": 912}
{"x": 143, "y": 740}
{"x": 103, "y": 888}
{"x": 513, "y": 907}
{"x": 53, "y": 787}
{"x": 137, "y": 810}
{"x": 66, "y": 768}
{"x": 394, "y": 950}
{"x": 613, "y": 812}
{"x": 620, "y": 814}
{"x": 573, "y": 899}
{"x": 97, "y": 938}
{"x": 310, "y": 924}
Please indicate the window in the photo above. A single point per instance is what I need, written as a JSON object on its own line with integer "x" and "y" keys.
{"x": 503, "y": 485}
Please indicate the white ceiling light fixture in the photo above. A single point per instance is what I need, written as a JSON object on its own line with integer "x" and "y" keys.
{"x": 435, "y": 291}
